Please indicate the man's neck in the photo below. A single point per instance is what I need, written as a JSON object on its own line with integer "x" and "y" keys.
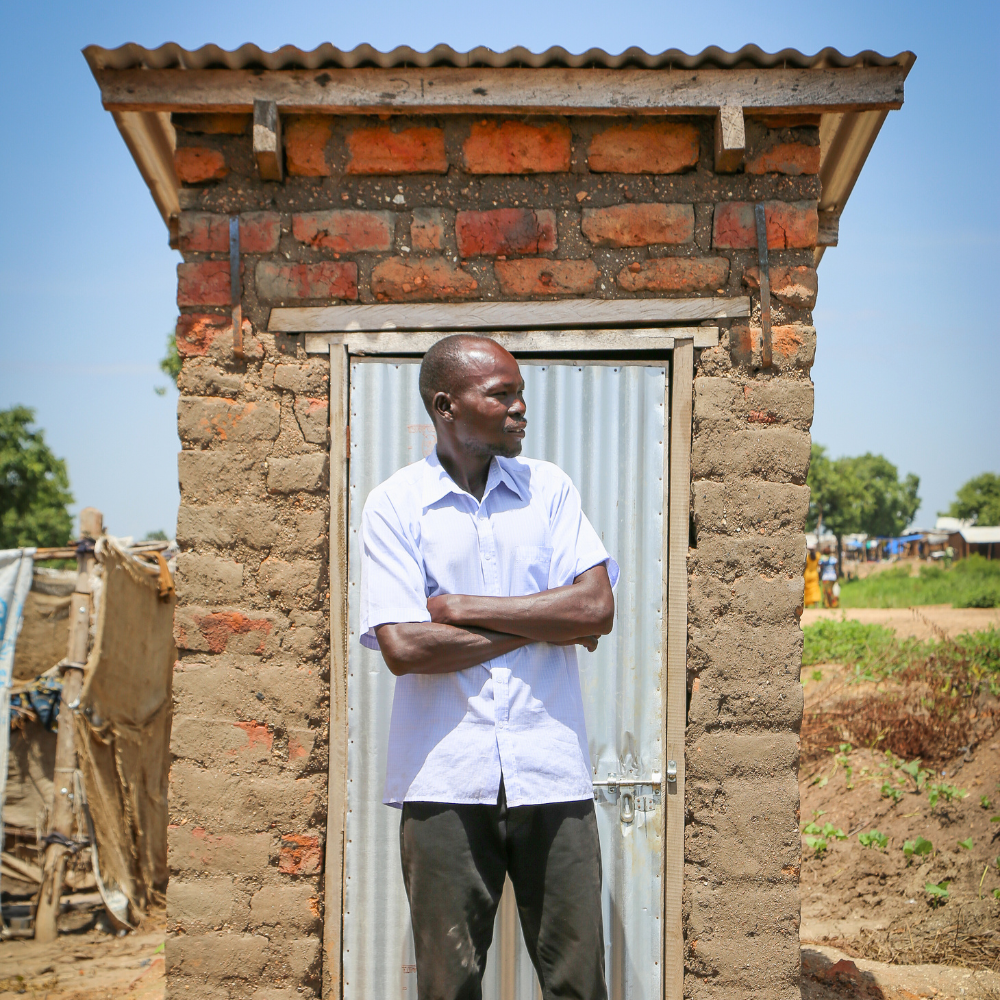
{"x": 469, "y": 472}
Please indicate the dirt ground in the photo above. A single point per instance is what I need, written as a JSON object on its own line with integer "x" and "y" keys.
{"x": 869, "y": 929}
{"x": 86, "y": 963}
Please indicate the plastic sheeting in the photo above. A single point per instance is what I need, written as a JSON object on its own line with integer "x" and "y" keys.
{"x": 604, "y": 425}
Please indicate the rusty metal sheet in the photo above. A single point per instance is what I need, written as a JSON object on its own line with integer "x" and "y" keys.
{"x": 603, "y": 424}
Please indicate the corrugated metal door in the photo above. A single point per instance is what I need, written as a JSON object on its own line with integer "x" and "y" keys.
{"x": 604, "y": 425}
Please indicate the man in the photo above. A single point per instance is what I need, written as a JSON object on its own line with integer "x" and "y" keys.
{"x": 479, "y": 576}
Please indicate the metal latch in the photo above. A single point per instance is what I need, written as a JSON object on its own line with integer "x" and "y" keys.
{"x": 672, "y": 771}
{"x": 629, "y": 803}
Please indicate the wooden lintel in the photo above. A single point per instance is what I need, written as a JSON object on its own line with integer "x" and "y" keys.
{"x": 504, "y": 315}
{"x": 520, "y": 341}
{"x": 551, "y": 90}
{"x": 730, "y": 139}
{"x": 267, "y": 141}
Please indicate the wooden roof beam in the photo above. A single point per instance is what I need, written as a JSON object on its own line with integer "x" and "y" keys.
{"x": 516, "y": 91}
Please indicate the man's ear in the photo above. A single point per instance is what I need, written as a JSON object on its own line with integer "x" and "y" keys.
{"x": 441, "y": 406}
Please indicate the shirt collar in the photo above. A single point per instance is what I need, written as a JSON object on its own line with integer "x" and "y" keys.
{"x": 437, "y": 483}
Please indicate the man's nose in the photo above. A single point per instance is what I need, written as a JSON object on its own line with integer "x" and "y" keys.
{"x": 519, "y": 407}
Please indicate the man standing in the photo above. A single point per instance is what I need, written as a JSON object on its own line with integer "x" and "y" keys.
{"x": 479, "y": 576}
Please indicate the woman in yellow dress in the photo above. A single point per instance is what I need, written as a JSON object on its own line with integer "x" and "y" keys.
{"x": 812, "y": 595}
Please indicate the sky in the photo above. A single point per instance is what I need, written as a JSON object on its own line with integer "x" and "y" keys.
{"x": 908, "y": 353}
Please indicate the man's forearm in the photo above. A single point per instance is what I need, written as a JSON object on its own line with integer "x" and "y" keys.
{"x": 432, "y": 648}
{"x": 584, "y": 608}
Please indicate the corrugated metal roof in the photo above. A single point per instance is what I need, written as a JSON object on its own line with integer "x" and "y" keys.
{"x": 327, "y": 56}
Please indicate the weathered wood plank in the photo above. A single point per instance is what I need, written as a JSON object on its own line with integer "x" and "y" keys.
{"x": 551, "y": 90}
{"x": 337, "y": 790}
{"x": 730, "y": 139}
{"x": 675, "y": 643}
{"x": 267, "y": 141}
{"x": 535, "y": 341}
{"x": 503, "y": 315}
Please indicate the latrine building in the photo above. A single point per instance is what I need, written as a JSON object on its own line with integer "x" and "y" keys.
{"x": 643, "y": 233}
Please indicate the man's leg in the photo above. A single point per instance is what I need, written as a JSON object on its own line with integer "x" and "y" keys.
{"x": 453, "y": 868}
{"x": 554, "y": 859}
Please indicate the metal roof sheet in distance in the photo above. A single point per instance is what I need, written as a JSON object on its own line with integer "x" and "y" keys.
{"x": 327, "y": 56}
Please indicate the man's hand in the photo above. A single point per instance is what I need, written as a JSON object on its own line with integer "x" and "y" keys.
{"x": 562, "y": 616}
{"x": 432, "y": 648}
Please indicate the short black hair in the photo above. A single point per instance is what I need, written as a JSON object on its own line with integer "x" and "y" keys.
{"x": 444, "y": 363}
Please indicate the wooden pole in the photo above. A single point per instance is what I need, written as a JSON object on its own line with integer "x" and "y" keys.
{"x": 61, "y": 813}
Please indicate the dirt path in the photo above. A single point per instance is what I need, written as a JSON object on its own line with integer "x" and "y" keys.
{"x": 918, "y": 623}
{"x": 93, "y": 965}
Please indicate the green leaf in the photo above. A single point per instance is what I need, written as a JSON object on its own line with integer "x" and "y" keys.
{"x": 918, "y": 847}
{"x": 811, "y": 828}
{"x": 940, "y": 890}
{"x": 890, "y": 791}
{"x": 873, "y": 839}
{"x": 829, "y": 830}
{"x": 967, "y": 844}
{"x": 818, "y": 844}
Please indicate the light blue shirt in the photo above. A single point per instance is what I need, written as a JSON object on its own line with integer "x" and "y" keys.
{"x": 451, "y": 735}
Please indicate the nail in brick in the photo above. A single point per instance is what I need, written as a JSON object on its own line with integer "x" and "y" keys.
{"x": 505, "y": 231}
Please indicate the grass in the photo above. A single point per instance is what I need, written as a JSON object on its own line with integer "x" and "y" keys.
{"x": 876, "y": 654}
{"x": 969, "y": 583}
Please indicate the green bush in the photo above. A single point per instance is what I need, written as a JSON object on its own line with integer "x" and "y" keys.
{"x": 969, "y": 583}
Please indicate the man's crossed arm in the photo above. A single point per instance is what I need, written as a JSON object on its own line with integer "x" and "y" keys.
{"x": 465, "y": 631}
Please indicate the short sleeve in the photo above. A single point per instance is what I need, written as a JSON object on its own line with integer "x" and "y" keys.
{"x": 393, "y": 588}
{"x": 576, "y": 546}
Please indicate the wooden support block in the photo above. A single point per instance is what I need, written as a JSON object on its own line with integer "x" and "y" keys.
{"x": 267, "y": 141}
{"x": 829, "y": 229}
{"x": 730, "y": 139}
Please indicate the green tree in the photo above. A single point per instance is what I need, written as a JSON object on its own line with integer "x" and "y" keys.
{"x": 170, "y": 364}
{"x": 859, "y": 494}
{"x": 34, "y": 485}
{"x": 978, "y": 500}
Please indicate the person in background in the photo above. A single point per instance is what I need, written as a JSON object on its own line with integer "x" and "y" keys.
{"x": 831, "y": 589}
{"x": 812, "y": 591}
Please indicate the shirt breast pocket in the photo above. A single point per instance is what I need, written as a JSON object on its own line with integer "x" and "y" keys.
{"x": 530, "y": 573}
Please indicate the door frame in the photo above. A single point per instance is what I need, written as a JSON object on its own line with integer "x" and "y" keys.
{"x": 674, "y": 345}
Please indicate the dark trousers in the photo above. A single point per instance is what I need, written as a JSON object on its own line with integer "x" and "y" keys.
{"x": 455, "y": 858}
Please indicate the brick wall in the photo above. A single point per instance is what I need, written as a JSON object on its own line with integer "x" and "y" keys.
{"x": 465, "y": 208}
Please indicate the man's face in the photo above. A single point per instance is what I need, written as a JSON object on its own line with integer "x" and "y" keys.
{"x": 488, "y": 403}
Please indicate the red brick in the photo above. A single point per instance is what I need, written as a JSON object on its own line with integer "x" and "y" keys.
{"x": 195, "y": 165}
{"x": 675, "y": 274}
{"x": 427, "y": 229}
{"x": 547, "y": 277}
{"x": 789, "y": 224}
{"x": 652, "y": 148}
{"x": 196, "y": 332}
{"x": 639, "y": 225}
{"x": 380, "y": 150}
{"x": 785, "y": 158}
{"x": 420, "y": 279}
{"x": 329, "y": 279}
{"x": 793, "y": 345}
{"x": 300, "y": 854}
{"x": 218, "y": 628}
{"x": 306, "y": 137}
{"x": 505, "y": 230}
{"x": 795, "y": 286}
{"x": 201, "y": 232}
{"x": 345, "y": 230}
{"x": 515, "y": 147}
{"x": 204, "y": 284}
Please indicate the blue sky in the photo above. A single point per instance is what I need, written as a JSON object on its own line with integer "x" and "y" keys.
{"x": 908, "y": 357}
